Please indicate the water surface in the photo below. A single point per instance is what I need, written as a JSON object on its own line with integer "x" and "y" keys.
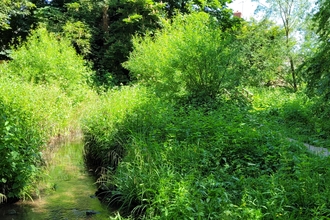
{"x": 66, "y": 192}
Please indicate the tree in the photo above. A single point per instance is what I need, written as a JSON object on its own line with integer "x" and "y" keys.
{"x": 292, "y": 14}
{"x": 9, "y": 8}
{"x": 262, "y": 51}
{"x": 100, "y": 30}
{"x": 316, "y": 69}
{"x": 191, "y": 58}
{"x": 15, "y": 23}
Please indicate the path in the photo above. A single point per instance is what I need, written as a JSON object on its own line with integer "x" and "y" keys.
{"x": 316, "y": 150}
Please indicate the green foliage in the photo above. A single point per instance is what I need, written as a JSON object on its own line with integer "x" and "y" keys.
{"x": 47, "y": 59}
{"x": 15, "y": 23}
{"x": 30, "y": 115}
{"x": 216, "y": 8}
{"x": 73, "y": 20}
{"x": 113, "y": 41}
{"x": 79, "y": 33}
{"x": 102, "y": 126}
{"x": 315, "y": 70}
{"x": 41, "y": 91}
{"x": 299, "y": 116}
{"x": 100, "y": 30}
{"x": 262, "y": 51}
{"x": 190, "y": 57}
{"x": 10, "y": 8}
{"x": 292, "y": 15}
{"x": 198, "y": 163}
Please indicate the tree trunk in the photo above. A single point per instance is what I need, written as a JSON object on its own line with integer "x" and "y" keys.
{"x": 105, "y": 19}
{"x": 293, "y": 73}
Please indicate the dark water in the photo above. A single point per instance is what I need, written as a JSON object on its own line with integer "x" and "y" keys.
{"x": 25, "y": 211}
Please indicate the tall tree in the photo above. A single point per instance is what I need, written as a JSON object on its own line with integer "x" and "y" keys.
{"x": 15, "y": 22}
{"x": 262, "y": 51}
{"x": 102, "y": 30}
{"x": 9, "y": 8}
{"x": 291, "y": 14}
{"x": 316, "y": 69}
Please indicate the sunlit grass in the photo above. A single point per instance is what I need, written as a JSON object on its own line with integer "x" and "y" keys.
{"x": 228, "y": 162}
{"x": 294, "y": 114}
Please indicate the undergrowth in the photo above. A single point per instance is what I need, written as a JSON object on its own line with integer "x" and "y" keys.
{"x": 164, "y": 161}
{"x": 43, "y": 93}
{"x": 30, "y": 116}
{"x": 295, "y": 114}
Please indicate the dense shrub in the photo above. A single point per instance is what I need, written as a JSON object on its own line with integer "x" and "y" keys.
{"x": 191, "y": 57}
{"x": 48, "y": 59}
{"x": 104, "y": 132}
{"x": 30, "y": 115}
{"x": 197, "y": 163}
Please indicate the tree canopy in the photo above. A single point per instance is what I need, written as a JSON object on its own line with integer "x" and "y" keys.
{"x": 100, "y": 30}
{"x": 316, "y": 69}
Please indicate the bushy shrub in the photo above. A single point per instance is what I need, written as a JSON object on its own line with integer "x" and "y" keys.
{"x": 104, "y": 132}
{"x": 48, "y": 59}
{"x": 196, "y": 163}
{"x": 30, "y": 115}
{"x": 190, "y": 57}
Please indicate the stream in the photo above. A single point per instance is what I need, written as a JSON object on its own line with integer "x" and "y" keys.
{"x": 66, "y": 191}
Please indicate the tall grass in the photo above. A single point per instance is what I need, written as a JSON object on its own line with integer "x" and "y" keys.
{"x": 42, "y": 94}
{"x": 196, "y": 163}
{"x": 30, "y": 115}
{"x": 103, "y": 131}
{"x": 299, "y": 116}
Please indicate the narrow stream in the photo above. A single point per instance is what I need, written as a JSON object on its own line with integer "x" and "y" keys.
{"x": 66, "y": 191}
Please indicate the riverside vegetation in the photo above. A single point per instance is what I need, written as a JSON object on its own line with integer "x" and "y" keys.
{"x": 42, "y": 94}
{"x": 194, "y": 136}
{"x": 185, "y": 143}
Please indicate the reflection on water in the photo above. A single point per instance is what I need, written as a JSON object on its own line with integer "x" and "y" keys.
{"x": 15, "y": 212}
{"x": 79, "y": 207}
{"x": 34, "y": 211}
{"x": 69, "y": 194}
{"x": 24, "y": 211}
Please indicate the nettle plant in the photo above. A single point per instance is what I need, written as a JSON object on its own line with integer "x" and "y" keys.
{"x": 190, "y": 57}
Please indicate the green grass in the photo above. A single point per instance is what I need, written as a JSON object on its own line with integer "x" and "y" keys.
{"x": 224, "y": 162}
{"x": 294, "y": 114}
{"x": 43, "y": 93}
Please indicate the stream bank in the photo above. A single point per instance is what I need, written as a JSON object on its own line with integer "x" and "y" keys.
{"x": 66, "y": 191}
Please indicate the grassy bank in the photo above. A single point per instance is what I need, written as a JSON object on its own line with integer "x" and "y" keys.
{"x": 187, "y": 143}
{"x": 43, "y": 93}
{"x": 31, "y": 115}
{"x": 165, "y": 161}
{"x": 294, "y": 114}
